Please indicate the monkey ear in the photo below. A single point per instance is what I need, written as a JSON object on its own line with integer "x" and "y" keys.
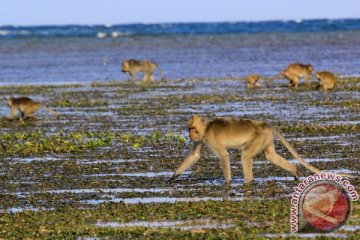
{"x": 196, "y": 116}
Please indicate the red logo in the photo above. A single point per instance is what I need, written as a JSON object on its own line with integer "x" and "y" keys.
{"x": 325, "y": 206}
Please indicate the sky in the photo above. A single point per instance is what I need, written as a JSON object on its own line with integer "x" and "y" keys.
{"x": 109, "y": 12}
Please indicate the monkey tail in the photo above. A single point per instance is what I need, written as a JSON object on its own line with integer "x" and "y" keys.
{"x": 275, "y": 77}
{"x": 50, "y": 110}
{"x": 299, "y": 158}
{"x": 294, "y": 152}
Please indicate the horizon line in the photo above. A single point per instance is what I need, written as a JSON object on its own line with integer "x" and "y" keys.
{"x": 297, "y": 20}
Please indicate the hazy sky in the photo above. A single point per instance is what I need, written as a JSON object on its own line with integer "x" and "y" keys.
{"x": 46, "y": 12}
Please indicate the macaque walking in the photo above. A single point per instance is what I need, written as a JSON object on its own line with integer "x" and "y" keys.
{"x": 132, "y": 67}
{"x": 26, "y": 106}
{"x": 248, "y": 135}
{"x": 253, "y": 81}
{"x": 295, "y": 71}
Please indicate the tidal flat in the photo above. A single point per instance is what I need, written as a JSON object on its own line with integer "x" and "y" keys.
{"x": 99, "y": 170}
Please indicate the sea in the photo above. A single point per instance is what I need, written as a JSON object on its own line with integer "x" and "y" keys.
{"x": 84, "y": 54}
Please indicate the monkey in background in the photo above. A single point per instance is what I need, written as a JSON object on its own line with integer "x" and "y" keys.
{"x": 132, "y": 67}
{"x": 248, "y": 135}
{"x": 253, "y": 81}
{"x": 327, "y": 80}
{"x": 294, "y": 72}
{"x": 26, "y": 106}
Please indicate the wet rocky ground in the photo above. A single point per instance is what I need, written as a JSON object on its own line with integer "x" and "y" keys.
{"x": 99, "y": 169}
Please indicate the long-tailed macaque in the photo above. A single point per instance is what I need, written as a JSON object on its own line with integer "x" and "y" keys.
{"x": 253, "y": 81}
{"x": 248, "y": 135}
{"x": 327, "y": 80}
{"x": 132, "y": 67}
{"x": 26, "y": 106}
{"x": 295, "y": 71}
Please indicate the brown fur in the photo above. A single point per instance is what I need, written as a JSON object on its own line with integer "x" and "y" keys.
{"x": 327, "y": 80}
{"x": 251, "y": 136}
{"x": 253, "y": 81}
{"x": 295, "y": 71}
{"x": 26, "y": 106}
{"x": 132, "y": 67}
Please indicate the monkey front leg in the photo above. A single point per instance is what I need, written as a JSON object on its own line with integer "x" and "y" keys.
{"x": 133, "y": 76}
{"x": 225, "y": 165}
{"x": 193, "y": 157}
{"x": 13, "y": 113}
{"x": 308, "y": 80}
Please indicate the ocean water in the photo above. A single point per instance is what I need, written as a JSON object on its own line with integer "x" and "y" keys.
{"x": 83, "y": 54}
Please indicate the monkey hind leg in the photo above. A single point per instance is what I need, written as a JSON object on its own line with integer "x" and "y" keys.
{"x": 22, "y": 116}
{"x": 149, "y": 77}
{"x": 248, "y": 152}
{"x": 152, "y": 79}
{"x": 29, "y": 112}
{"x": 278, "y": 160}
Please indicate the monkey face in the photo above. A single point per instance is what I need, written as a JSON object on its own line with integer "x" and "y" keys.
{"x": 9, "y": 102}
{"x": 196, "y": 128}
{"x": 193, "y": 135}
{"x": 125, "y": 66}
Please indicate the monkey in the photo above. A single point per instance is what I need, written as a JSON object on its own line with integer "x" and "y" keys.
{"x": 132, "y": 67}
{"x": 26, "y": 106}
{"x": 295, "y": 71}
{"x": 327, "y": 80}
{"x": 250, "y": 136}
{"x": 253, "y": 81}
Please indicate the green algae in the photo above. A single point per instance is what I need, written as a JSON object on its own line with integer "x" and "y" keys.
{"x": 144, "y": 136}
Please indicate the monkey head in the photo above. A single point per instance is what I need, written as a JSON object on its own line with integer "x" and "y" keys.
{"x": 310, "y": 68}
{"x": 10, "y": 101}
{"x": 125, "y": 66}
{"x": 196, "y": 128}
{"x": 256, "y": 77}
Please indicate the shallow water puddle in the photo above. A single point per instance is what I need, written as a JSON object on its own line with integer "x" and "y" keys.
{"x": 149, "y": 174}
{"x": 98, "y": 190}
{"x": 300, "y": 139}
{"x": 22, "y": 209}
{"x": 97, "y": 161}
{"x": 109, "y": 190}
{"x": 138, "y": 174}
{"x": 145, "y": 200}
{"x": 34, "y": 159}
{"x": 179, "y": 224}
{"x": 240, "y": 181}
{"x": 309, "y": 160}
{"x": 350, "y": 228}
{"x": 344, "y": 170}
